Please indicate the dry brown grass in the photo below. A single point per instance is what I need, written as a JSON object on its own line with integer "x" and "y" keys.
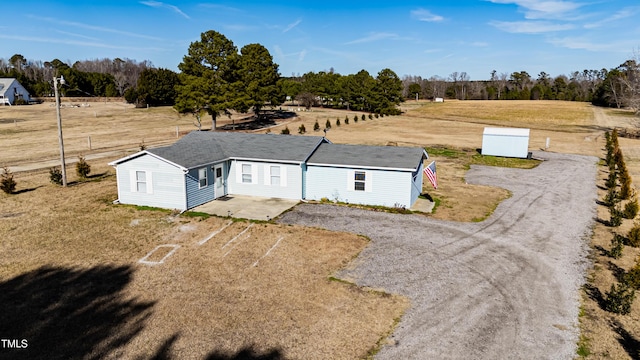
{"x": 604, "y": 334}
{"x": 211, "y": 302}
{"x": 532, "y": 114}
{"x": 202, "y": 300}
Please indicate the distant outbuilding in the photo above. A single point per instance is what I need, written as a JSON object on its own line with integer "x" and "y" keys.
{"x": 11, "y": 90}
{"x": 508, "y": 142}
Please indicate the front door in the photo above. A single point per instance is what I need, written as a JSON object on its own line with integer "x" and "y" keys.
{"x": 218, "y": 176}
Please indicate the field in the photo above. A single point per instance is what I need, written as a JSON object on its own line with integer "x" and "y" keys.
{"x": 74, "y": 246}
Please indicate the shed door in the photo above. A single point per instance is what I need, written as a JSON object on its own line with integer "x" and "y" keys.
{"x": 218, "y": 178}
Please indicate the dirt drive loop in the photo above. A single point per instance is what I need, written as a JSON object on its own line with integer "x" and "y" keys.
{"x": 505, "y": 288}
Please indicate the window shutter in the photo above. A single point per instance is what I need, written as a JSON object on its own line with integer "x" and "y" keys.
{"x": 351, "y": 180}
{"x": 368, "y": 181}
{"x": 238, "y": 173}
{"x": 133, "y": 184}
{"x": 254, "y": 173}
{"x": 149, "y": 182}
{"x": 267, "y": 174}
{"x": 283, "y": 176}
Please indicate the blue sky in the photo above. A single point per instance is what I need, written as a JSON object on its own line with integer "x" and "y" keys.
{"x": 425, "y": 38}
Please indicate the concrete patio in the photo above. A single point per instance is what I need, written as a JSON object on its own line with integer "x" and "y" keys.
{"x": 247, "y": 207}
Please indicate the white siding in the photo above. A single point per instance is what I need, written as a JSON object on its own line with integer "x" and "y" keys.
{"x": 12, "y": 89}
{"x": 509, "y": 142}
{"x": 384, "y": 188}
{"x": 290, "y": 180}
{"x": 165, "y": 183}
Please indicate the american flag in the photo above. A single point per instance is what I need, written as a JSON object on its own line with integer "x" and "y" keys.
{"x": 430, "y": 171}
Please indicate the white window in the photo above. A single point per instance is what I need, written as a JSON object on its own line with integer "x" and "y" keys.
{"x": 275, "y": 175}
{"x": 141, "y": 181}
{"x": 360, "y": 180}
{"x": 247, "y": 177}
{"x": 203, "y": 178}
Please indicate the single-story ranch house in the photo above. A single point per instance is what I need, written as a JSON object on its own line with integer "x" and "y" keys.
{"x": 203, "y": 166}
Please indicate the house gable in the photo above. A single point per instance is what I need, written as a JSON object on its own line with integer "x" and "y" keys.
{"x": 150, "y": 181}
{"x": 11, "y": 90}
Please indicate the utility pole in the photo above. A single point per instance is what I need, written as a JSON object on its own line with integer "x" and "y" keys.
{"x": 60, "y": 141}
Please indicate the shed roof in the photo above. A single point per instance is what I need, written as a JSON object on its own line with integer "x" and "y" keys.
{"x": 501, "y": 131}
{"x": 202, "y": 147}
{"x": 382, "y": 157}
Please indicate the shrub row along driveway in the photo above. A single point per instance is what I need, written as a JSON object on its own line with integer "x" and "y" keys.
{"x": 508, "y": 287}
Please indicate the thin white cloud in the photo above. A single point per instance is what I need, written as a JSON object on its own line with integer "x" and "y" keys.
{"x": 292, "y": 25}
{"x": 373, "y": 37}
{"x": 75, "y": 43}
{"x": 238, "y": 27}
{"x": 543, "y": 9}
{"x": 530, "y": 27}
{"x": 479, "y": 44}
{"x": 77, "y": 35}
{"x": 278, "y": 51}
{"x": 158, "y": 4}
{"x": 578, "y": 43}
{"x": 220, "y": 7}
{"x": 280, "y": 54}
{"x": 94, "y": 28}
{"x": 622, "y": 14}
{"x": 425, "y": 15}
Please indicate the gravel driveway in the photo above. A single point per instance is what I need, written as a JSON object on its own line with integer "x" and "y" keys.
{"x": 505, "y": 288}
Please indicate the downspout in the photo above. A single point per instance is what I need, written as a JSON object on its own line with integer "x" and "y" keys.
{"x": 117, "y": 201}
{"x": 184, "y": 189}
{"x": 303, "y": 187}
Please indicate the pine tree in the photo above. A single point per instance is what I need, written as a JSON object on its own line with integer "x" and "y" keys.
{"x": 7, "y": 183}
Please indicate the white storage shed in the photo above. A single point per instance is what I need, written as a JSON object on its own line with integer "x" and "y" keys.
{"x": 508, "y": 142}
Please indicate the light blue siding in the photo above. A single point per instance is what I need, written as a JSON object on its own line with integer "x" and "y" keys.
{"x": 290, "y": 186}
{"x": 383, "y": 187}
{"x": 165, "y": 183}
{"x": 416, "y": 187}
{"x": 196, "y": 195}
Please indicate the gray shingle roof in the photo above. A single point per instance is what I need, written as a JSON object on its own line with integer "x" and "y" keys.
{"x": 392, "y": 157}
{"x": 202, "y": 147}
{"x": 5, "y": 84}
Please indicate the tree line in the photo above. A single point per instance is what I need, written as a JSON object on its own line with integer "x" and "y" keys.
{"x": 617, "y": 87}
{"x": 215, "y": 78}
{"x": 99, "y": 77}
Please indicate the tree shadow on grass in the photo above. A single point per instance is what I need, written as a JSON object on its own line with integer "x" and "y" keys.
{"x": 22, "y": 191}
{"x": 603, "y": 222}
{"x": 594, "y": 294}
{"x": 70, "y": 313}
{"x": 617, "y": 271}
{"x": 248, "y": 352}
{"x": 630, "y": 344}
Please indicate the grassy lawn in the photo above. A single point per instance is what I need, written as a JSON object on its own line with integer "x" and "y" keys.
{"x": 71, "y": 258}
{"x": 74, "y": 246}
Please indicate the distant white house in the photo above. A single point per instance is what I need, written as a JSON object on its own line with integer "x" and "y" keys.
{"x": 204, "y": 166}
{"x": 508, "y": 142}
{"x": 11, "y": 90}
